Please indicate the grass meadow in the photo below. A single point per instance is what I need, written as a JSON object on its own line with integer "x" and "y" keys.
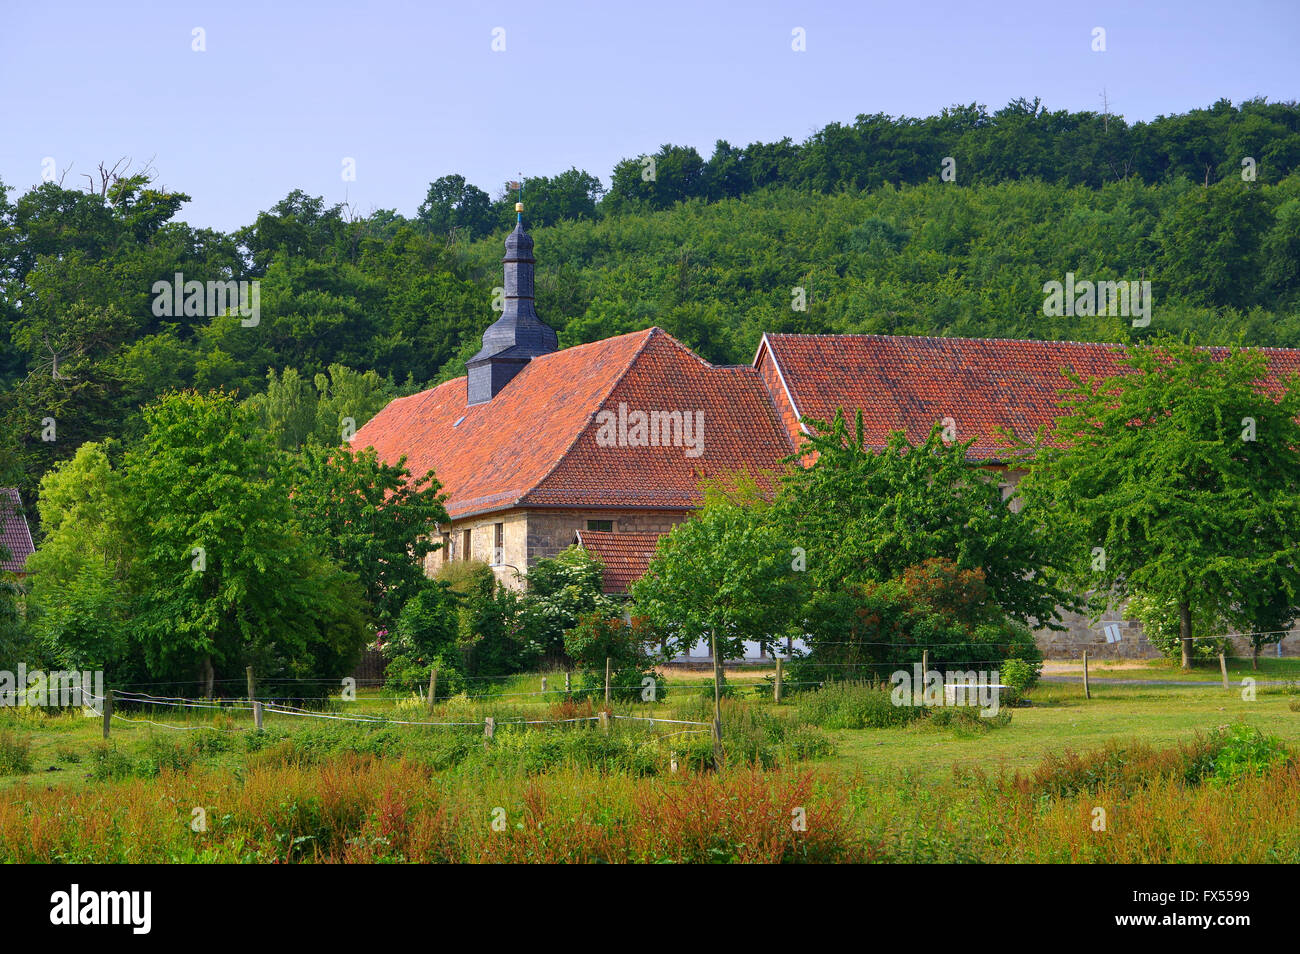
{"x": 1137, "y": 773}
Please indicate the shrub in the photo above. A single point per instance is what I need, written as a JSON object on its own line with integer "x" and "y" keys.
{"x": 1020, "y": 675}
{"x": 1221, "y": 757}
{"x": 15, "y": 754}
{"x": 870, "y": 628}
{"x": 428, "y": 622}
{"x": 853, "y": 705}
{"x": 164, "y": 754}
{"x": 966, "y": 720}
{"x": 597, "y": 637}
{"x": 1242, "y": 750}
{"x": 409, "y": 672}
{"x": 108, "y": 763}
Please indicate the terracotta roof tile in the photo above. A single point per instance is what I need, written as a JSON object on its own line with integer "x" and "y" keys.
{"x": 910, "y": 383}
{"x": 15, "y": 536}
{"x": 535, "y": 443}
{"x": 625, "y": 555}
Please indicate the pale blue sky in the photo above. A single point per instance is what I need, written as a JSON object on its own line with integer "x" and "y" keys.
{"x": 413, "y": 91}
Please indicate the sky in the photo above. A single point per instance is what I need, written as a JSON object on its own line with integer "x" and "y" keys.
{"x": 283, "y": 94}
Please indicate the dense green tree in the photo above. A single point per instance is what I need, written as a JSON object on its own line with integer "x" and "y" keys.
{"x": 453, "y": 207}
{"x": 561, "y": 589}
{"x": 1177, "y": 480}
{"x": 724, "y": 576}
{"x": 81, "y": 572}
{"x": 373, "y": 519}
{"x": 864, "y": 514}
{"x": 1211, "y": 245}
{"x": 226, "y": 578}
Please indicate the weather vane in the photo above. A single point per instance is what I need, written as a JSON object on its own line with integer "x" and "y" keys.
{"x": 518, "y": 185}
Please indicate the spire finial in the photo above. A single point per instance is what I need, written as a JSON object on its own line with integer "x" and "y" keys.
{"x": 519, "y": 202}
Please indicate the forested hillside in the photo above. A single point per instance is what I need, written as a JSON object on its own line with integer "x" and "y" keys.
{"x": 856, "y": 224}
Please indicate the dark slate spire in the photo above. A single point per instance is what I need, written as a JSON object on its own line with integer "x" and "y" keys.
{"x": 518, "y": 335}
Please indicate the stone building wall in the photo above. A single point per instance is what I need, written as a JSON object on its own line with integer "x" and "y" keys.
{"x": 514, "y": 527}
{"x": 550, "y": 531}
{"x": 530, "y": 535}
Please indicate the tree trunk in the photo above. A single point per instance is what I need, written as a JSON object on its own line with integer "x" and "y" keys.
{"x": 717, "y": 699}
{"x": 209, "y": 677}
{"x": 1254, "y": 655}
{"x": 1185, "y": 631}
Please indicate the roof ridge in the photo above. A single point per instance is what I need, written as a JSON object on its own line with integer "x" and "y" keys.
{"x": 1097, "y": 344}
{"x": 649, "y": 336}
{"x": 1033, "y": 341}
{"x": 691, "y": 351}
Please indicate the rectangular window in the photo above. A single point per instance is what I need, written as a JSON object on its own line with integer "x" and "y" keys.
{"x": 601, "y": 526}
{"x": 498, "y": 543}
{"x": 465, "y": 544}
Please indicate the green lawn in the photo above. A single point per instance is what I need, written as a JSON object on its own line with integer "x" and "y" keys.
{"x": 1058, "y": 717}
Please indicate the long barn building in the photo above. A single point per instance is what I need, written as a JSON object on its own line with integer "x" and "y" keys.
{"x": 605, "y": 444}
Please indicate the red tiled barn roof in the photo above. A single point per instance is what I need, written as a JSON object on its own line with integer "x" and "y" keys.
{"x": 625, "y": 555}
{"x": 910, "y": 383}
{"x": 534, "y": 444}
{"x": 15, "y": 536}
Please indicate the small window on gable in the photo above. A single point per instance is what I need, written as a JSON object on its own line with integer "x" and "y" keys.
{"x": 601, "y": 526}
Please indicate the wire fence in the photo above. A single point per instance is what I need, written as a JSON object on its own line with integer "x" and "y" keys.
{"x": 258, "y": 709}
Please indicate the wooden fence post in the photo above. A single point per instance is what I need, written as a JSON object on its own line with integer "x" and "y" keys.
{"x": 257, "y": 716}
{"x": 1223, "y": 668}
{"x": 433, "y": 687}
{"x": 543, "y": 687}
{"x": 568, "y": 687}
{"x": 925, "y": 672}
{"x": 489, "y": 727}
{"x": 1086, "y": 693}
{"x": 607, "y": 666}
{"x": 108, "y": 710}
{"x": 603, "y": 715}
{"x": 718, "y": 754}
{"x": 778, "y": 680}
{"x": 252, "y": 687}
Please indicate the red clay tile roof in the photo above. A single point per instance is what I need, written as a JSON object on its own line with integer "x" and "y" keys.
{"x": 909, "y": 383}
{"x": 625, "y": 555}
{"x": 15, "y": 536}
{"x": 535, "y": 443}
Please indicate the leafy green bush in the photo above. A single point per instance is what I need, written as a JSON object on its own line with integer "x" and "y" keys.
{"x": 598, "y": 636}
{"x": 108, "y": 763}
{"x": 15, "y": 754}
{"x": 164, "y": 754}
{"x": 1220, "y": 758}
{"x": 1241, "y": 750}
{"x": 853, "y": 705}
{"x": 877, "y": 626}
{"x": 1020, "y": 675}
{"x": 966, "y": 720}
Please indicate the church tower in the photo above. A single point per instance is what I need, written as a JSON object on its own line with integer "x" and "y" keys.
{"x": 519, "y": 335}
